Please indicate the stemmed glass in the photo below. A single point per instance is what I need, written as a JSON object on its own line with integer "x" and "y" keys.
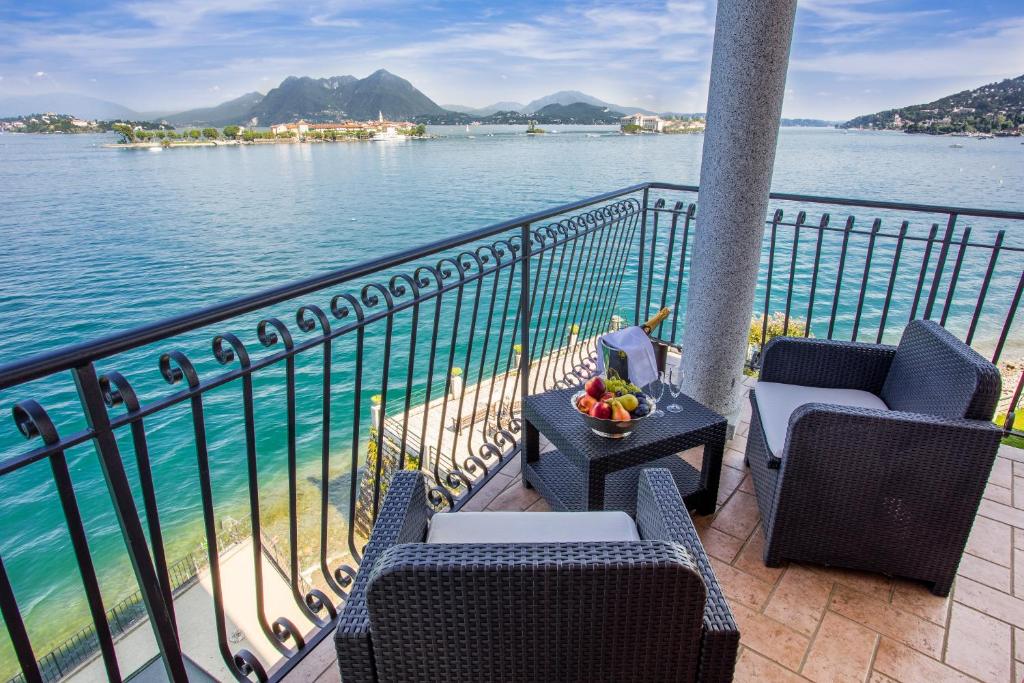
{"x": 674, "y": 379}
{"x": 656, "y": 390}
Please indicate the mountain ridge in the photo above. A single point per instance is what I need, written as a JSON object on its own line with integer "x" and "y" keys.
{"x": 995, "y": 108}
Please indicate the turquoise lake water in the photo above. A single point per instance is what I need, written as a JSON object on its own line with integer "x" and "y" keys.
{"x": 97, "y": 240}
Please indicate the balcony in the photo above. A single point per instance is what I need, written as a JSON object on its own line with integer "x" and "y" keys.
{"x": 214, "y": 477}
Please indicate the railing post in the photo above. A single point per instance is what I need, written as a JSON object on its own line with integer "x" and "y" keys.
{"x": 524, "y": 320}
{"x": 91, "y": 396}
{"x": 640, "y": 264}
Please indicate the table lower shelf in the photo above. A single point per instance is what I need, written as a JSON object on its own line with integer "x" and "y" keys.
{"x": 561, "y": 483}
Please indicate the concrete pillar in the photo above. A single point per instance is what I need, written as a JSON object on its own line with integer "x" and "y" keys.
{"x": 748, "y": 81}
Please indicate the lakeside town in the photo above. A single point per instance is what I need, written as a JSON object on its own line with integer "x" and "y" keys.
{"x": 135, "y": 134}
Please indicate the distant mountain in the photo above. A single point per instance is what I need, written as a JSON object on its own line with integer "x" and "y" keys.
{"x": 573, "y": 96}
{"x": 808, "y": 123}
{"x": 343, "y": 97}
{"x": 232, "y": 111}
{"x": 82, "y": 106}
{"x": 485, "y": 111}
{"x": 996, "y": 108}
{"x": 577, "y": 113}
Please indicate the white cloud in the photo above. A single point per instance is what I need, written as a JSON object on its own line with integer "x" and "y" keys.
{"x": 40, "y": 74}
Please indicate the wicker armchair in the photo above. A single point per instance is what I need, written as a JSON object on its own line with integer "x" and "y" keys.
{"x": 873, "y": 457}
{"x": 645, "y": 610}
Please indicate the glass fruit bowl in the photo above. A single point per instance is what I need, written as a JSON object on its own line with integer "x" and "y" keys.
{"x": 611, "y": 428}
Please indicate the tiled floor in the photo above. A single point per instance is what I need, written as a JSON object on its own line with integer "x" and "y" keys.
{"x": 803, "y": 622}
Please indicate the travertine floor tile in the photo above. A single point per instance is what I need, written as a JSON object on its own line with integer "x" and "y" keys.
{"x": 739, "y": 516}
{"x": 770, "y": 638}
{"x": 913, "y": 596}
{"x": 840, "y": 652}
{"x": 990, "y": 601}
{"x": 910, "y": 666}
{"x": 740, "y": 586}
{"x": 800, "y": 599}
{"x": 988, "y": 573}
{"x": 887, "y": 620}
{"x": 979, "y": 645}
{"x": 990, "y": 540}
{"x": 753, "y": 668}
{"x": 750, "y": 559}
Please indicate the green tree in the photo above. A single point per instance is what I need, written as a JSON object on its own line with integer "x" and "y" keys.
{"x": 231, "y": 132}
{"x": 194, "y": 133}
{"x": 210, "y": 133}
{"x": 249, "y": 135}
{"x": 126, "y": 132}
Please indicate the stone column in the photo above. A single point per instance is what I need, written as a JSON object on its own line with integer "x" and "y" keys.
{"x": 748, "y": 80}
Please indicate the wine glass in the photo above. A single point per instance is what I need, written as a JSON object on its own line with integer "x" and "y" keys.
{"x": 656, "y": 390}
{"x": 674, "y": 378}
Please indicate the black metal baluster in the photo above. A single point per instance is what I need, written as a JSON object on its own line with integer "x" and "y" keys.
{"x": 822, "y": 227}
{"x": 640, "y": 258}
{"x": 175, "y": 366}
{"x": 676, "y": 208}
{"x": 397, "y": 289}
{"x": 658, "y": 206}
{"x": 892, "y": 281}
{"x": 958, "y": 264}
{"x": 947, "y": 240}
{"x": 453, "y": 342}
{"x": 539, "y": 303}
{"x": 224, "y": 356}
{"x": 924, "y": 269}
{"x": 512, "y": 249}
{"x": 432, "y": 359}
{"x": 556, "y": 246}
{"x": 308, "y": 324}
{"x": 524, "y": 316}
{"x": 16, "y": 630}
{"x": 875, "y": 227}
{"x": 604, "y": 237}
{"x": 1008, "y": 323}
{"x": 116, "y": 390}
{"x": 496, "y": 254}
{"x": 565, "y": 320}
{"x": 776, "y": 219}
{"x": 478, "y": 261}
{"x": 839, "y": 275}
{"x": 996, "y": 247}
{"x": 690, "y": 212}
{"x": 800, "y": 218}
{"x": 577, "y": 302}
{"x": 94, "y": 408}
{"x": 341, "y": 310}
{"x": 369, "y": 301}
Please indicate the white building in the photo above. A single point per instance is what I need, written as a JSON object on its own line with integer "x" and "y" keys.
{"x": 654, "y": 123}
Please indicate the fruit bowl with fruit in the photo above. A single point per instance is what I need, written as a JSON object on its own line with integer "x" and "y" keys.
{"x": 612, "y": 407}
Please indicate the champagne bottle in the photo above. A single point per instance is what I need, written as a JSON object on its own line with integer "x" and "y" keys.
{"x": 655, "y": 320}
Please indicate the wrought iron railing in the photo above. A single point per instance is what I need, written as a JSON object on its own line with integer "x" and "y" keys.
{"x": 418, "y": 359}
{"x": 431, "y": 339}
{"x": 828, "y": 273}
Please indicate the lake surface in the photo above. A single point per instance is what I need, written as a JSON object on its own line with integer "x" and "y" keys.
{"x": 96, "y": 240}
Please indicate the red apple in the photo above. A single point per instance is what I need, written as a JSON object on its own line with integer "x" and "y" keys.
{"x": 595, "y": 387}
{"x": 601, "y": 411}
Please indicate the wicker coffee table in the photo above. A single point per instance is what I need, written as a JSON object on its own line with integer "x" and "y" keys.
{"x": 590, "y": 472}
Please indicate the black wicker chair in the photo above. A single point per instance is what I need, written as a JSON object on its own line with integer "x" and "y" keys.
{"x": 647, "y": 610}
{"x": 884, "y": 469}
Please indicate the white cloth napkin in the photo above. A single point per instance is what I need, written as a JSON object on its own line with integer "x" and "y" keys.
{"x": 643, "y": 369}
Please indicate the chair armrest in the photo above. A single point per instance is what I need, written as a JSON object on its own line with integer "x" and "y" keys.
{"x": 402, "y": 519}
{"x": 661, "y": 514}
{"x": 826, "y": 363}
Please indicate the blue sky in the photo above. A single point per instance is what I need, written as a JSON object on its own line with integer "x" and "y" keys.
{"x": 849, "y": 56}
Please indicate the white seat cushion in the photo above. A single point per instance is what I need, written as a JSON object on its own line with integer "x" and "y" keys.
{"x": 776, "y": 402}
{"x": 531, "y": 527}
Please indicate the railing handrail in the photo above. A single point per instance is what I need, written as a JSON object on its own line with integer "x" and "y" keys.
{"x": 68, "y": 357}
{"x": 869, "y": 203}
